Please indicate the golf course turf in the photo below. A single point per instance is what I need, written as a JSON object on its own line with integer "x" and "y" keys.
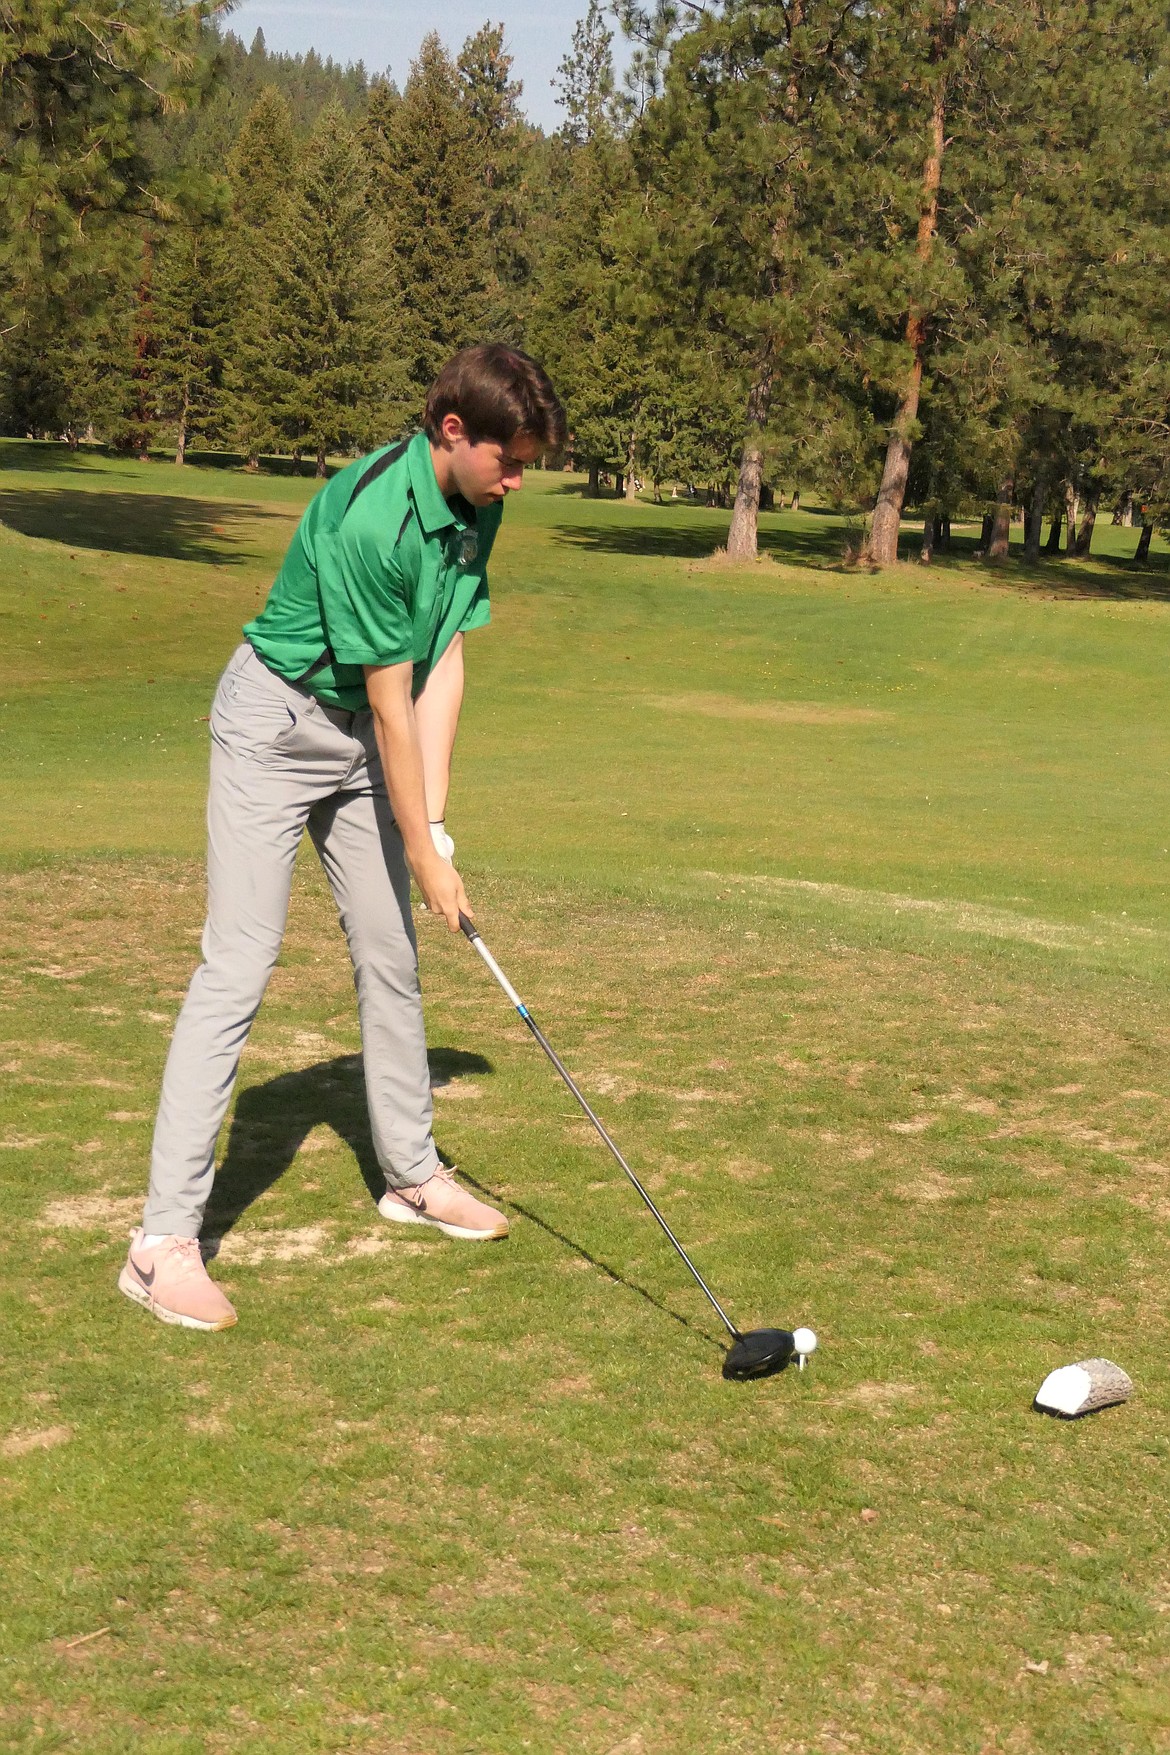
{"x": 844, "y": 896}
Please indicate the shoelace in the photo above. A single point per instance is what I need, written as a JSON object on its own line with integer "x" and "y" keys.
{"x": 188, "y": 1249}
{"x": 414, "y": 1196}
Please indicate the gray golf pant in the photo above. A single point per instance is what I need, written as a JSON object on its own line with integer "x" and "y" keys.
{"x": 282, "y": 762}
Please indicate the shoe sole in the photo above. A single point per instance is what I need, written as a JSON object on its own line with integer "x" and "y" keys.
{"x": 400, "y": 1215}
{"x": 139, "y": 1295}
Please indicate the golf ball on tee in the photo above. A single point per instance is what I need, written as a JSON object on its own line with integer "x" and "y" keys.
{"x": 804, "y": 1341}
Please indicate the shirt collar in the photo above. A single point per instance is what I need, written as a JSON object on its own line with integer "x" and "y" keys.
{"x": 434, "y": 512}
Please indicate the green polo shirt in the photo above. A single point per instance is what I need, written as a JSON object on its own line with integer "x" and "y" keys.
{"x": 382, "y": 570}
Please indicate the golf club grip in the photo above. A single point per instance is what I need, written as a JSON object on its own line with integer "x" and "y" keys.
{"x": 478, "y": 945}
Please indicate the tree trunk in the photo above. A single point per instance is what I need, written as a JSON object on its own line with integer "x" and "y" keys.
{"x": 631, "y": 477}
{"x": 1035, "y": 519}
{"x": 985, "y": 533}
{"x": 1052, "y": 546}
{"x": 1124, "y": 513}
{"x": 181, "y": 441}
{"x": 1143, "y": 547}
{"x": 144, "y": 351}
{"x": 1071, "y": 507}
{"x": 1084, "y": 540}
{"x": 794, "y": 502}
{"x": 741, "y": 537}
{"x": 929, "y": 537}
{"x": 999, "y": 536}
{"x": 619, "y": 486}
{"x": 321, "y": 464}
{"x": 593, "y": 486}
{"x": 943, "y": 540}
{"x": 887, "y": 512}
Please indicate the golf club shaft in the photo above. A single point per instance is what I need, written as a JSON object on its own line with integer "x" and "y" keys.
{"x": 478, "y": 945}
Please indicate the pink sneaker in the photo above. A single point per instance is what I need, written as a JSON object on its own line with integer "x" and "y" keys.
{"x": 171, "y": 1282}
{"x": 441, "y": 1202}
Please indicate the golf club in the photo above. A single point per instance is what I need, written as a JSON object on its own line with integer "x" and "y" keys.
{"x": 761, "y": 1351}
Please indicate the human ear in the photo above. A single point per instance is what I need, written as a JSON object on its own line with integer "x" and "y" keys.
{"x": 452, "y": 429}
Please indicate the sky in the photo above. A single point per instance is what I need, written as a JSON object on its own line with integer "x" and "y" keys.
{"x": 385, "y": 34}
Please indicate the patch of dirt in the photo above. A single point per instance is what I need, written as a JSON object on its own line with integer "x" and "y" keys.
{"x": 372, "y": 1244}
{"x": 1085, "y": 1656}
{"x": 746, "y": 1170}
{"x": 606, "y": 1084}
{"x": 94, "y": 1212}
{"x": 321, "y": 1139}
{"x": 310, "y": 1243}
{"x": 569, "y": 1386}
{"x": 879, "y": 1397}
{"x": 932, "y": 1187}
{"x": 250, "y": 1248}
{"x": 44, "y": 1438}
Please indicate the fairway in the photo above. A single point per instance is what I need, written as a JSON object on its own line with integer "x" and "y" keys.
{"x": 845, "y": 897}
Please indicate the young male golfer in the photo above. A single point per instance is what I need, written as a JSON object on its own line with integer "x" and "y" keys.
{"x": 338, "y": 714}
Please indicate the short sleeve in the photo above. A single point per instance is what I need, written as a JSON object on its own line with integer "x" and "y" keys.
{"x": 365, "y": 600}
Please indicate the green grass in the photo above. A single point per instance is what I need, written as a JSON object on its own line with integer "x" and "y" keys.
{"x": 845, "y": 895}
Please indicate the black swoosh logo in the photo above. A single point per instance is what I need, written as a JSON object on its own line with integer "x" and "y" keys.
{"x": 146, "y": 1278}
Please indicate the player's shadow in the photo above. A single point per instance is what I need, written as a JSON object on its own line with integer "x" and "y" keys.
{"x": 273, "y": 1120}
{"x": 579, "y": 1249}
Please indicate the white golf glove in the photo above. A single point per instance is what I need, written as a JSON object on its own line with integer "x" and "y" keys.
{"x": 444, "y": 846}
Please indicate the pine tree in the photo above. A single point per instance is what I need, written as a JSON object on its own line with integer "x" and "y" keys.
{"x": 261, "y": 169}
{"x": 501, "y": 157}
{"x": 429, "y": 197}
{"x": 327, "y": 380}
{"x": 744, "y": 160}
{"x": 78, "y": 83}
{"x": 193, "y": 311}
{"x": 933, "y": 87}
{"x": 375, "y": 135}
{"x": 584, "y": 322}
{"x": 588, "y": 88}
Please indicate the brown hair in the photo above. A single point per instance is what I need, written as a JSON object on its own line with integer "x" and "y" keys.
{"x": 497, "y": 392}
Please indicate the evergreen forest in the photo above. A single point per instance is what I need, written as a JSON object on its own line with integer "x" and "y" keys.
{"x": 906, "y": 257}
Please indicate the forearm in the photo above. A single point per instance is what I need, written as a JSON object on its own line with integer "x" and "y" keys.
{"x": 436, "y": 714}
{"x": 399, "y": 745}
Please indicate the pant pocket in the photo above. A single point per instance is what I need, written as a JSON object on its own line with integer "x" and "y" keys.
{"x": 250, "y": 720}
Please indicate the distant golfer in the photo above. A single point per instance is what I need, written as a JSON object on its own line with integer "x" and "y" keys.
{"x": 338, "y": 714}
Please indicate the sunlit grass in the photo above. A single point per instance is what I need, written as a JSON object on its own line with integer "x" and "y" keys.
{"x": 844, "y": 896}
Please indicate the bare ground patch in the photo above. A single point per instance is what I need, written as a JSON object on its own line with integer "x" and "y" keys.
{"x": 42, "y": 1438}
{"x": 115, "y": 1215}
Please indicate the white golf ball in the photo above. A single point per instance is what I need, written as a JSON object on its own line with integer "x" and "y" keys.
{"x": 804, "y": 1341}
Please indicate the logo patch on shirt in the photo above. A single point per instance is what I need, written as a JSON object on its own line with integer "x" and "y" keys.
{"x": 468, "y": 547}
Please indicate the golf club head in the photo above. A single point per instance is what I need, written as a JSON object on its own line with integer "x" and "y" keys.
{"x": 761, "y": 1353}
